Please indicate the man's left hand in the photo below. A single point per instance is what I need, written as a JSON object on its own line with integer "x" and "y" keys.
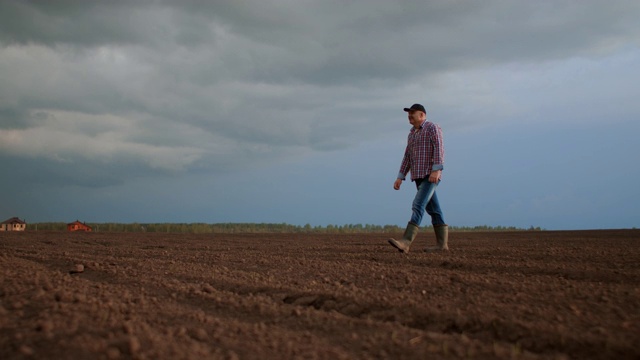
{"x": 435, "y": 176}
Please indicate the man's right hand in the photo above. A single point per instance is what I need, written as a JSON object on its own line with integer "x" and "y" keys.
{"x": 397, "y": 183}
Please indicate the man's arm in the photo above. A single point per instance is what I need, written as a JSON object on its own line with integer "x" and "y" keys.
{"x": 438, "y": 155}
{"x": 404, "y": 169}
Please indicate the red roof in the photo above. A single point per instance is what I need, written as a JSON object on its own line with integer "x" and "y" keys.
{"x": 13, "y": 220}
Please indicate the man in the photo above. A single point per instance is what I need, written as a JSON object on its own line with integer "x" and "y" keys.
{"x": 424, "y": 157}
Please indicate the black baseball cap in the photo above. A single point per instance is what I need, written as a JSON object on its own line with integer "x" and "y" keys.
{"x": 416, "y": 107}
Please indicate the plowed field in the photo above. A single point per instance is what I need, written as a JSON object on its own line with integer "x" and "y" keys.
{"x": 504, "y": 295}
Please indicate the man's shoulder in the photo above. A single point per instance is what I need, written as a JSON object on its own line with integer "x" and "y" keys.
{"x": 430, "y": 125}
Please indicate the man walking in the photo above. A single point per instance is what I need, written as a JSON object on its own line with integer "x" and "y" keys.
{"x": 424, "y": 157}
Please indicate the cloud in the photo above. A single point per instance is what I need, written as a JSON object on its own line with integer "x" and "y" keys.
{"x": 211, "y": 86}
{"x": 99, "y": 138}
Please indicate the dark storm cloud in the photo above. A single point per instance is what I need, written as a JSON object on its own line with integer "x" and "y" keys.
{"x": 95, "y": 23}
{"x": 331, "y": 41}
{"x": 344, "y": 42}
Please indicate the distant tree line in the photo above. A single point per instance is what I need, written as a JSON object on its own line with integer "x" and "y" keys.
{"x": 203, "y": 228}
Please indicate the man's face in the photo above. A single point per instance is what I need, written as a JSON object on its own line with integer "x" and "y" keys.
{"x": 416, "y": 117}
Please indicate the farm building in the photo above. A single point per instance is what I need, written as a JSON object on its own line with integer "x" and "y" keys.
{"x": 13, "y": 224}
{"x": 78, "y": 226}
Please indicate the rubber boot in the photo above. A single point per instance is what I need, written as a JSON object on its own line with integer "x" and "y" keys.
{"x": 442, "y": 238}
{"x": 404, "y": 244}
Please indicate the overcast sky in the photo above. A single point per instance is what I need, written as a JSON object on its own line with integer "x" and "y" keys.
{"x": 281, "y": 111}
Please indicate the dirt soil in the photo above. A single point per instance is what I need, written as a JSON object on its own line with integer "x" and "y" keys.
{"x": 495, "y": 295}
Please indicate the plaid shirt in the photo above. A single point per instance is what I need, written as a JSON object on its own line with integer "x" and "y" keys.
{"x": 424, "y": 152}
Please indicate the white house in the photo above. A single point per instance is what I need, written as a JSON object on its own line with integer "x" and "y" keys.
{"x": 13, "y": 224}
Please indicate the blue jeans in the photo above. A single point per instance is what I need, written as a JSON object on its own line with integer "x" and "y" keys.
{"x": 426, "y": 199}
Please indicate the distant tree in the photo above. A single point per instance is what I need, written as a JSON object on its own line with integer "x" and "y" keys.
{"x": 204, "y": 228}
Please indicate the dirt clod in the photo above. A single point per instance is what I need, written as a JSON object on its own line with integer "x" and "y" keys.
{"x": 78, "y": 268}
